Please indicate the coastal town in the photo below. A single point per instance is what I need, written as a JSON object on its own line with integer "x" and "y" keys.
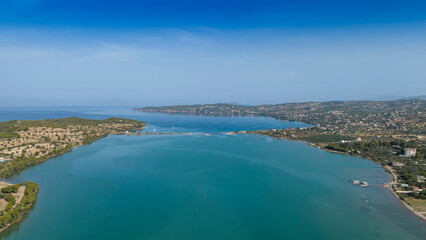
{"x": 391, "y": 133}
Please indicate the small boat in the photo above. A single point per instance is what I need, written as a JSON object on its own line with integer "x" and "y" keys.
{"x": 356, "y": 182}
{"x": 364, "y": 184}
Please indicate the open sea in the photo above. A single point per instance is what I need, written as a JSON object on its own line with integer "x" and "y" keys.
{"x": 204, "y": 187}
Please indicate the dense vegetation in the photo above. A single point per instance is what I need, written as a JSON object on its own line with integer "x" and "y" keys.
{"x": 327, "y": 138}
{"x": 11, "y": 167}
{"x": 26, "y": 143}
{"x": 10, "y": 188}
{"x": 13, "y": 214}
{"x": 9, "y": 129}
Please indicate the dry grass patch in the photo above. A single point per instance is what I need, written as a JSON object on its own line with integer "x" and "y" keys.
{"x": 418, "y": 204}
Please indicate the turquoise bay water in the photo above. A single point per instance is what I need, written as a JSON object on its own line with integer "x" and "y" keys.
{"x": 205, "y": 187}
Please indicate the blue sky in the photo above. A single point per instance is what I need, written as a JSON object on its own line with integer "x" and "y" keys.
{"x": 182, "y": 52}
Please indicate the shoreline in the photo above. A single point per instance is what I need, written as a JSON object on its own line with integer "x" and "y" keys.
{"x": 24, "y": 211}
{"x": 386, "y": 168}
{"x": 129, "y": 133}
{"x": 16, "y": 221}
{"x": 65, "y": 150}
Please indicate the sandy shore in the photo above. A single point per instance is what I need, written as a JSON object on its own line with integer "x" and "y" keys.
{"x": 411, "y": 209}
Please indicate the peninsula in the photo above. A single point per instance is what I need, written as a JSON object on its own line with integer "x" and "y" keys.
{"x": 391, "y": 133}
{"x": 26, "y": 143}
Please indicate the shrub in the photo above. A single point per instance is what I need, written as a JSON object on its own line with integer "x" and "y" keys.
{"x": 11, "y": 188}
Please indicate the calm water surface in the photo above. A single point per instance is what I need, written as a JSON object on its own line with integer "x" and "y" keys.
{"x": 205, "y": 187}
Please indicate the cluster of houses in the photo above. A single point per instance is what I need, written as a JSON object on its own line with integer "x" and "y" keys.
{"x": 408, "y": 152}
{"x": 415, "y": 188}
{"x": 420, "y": 178}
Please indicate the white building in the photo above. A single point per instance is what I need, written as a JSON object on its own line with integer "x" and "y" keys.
{"x": 398, "y": 164}
{"x": 410, "y": 152}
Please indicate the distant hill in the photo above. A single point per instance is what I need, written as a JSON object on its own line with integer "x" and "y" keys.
{"x": 106, "y": 102}
{"x": 332, "y": 112}
{"x": 423, "y": 97}
{"x": 396, "y": 97}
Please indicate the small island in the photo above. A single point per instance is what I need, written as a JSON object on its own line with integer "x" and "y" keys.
{"x": 27, "y": 143}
